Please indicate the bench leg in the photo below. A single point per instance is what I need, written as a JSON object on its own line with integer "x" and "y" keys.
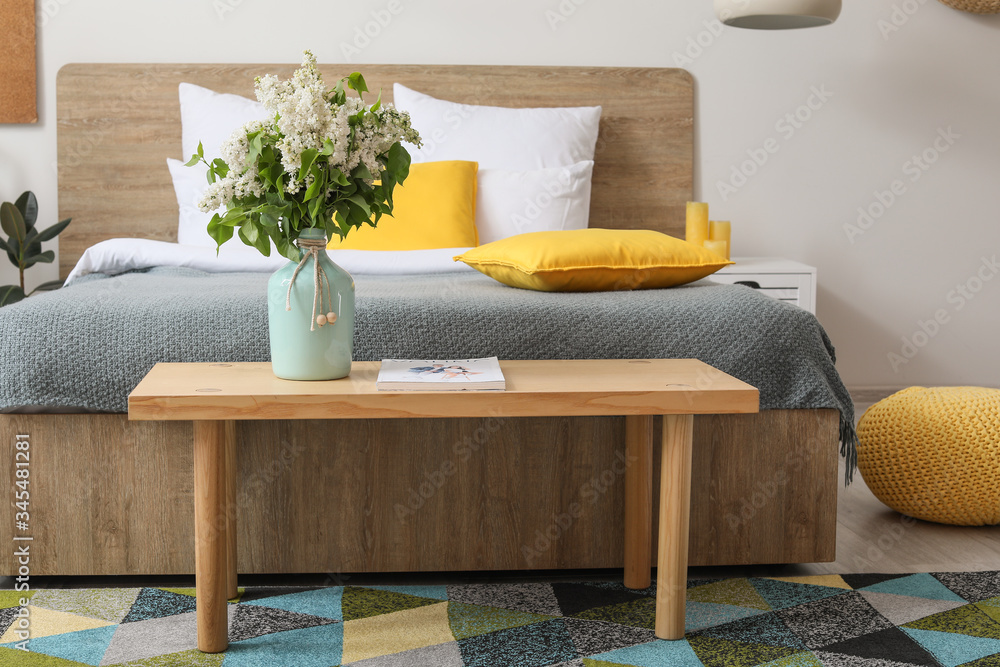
{"x": 675, "y": 510}
{"x": 210, "y": 518}
{"x": 231, "y": 587}
{"x": 638, "y": 500}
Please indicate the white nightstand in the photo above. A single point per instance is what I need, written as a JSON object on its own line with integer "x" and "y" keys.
{"x": 779, "y": 278}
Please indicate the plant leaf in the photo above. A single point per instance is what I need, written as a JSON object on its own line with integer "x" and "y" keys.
{"x": 337, "y": 176}
{"x": 53, "y": 231}
{"x": 12, "y": 221}
{"x": 309, "y": 156}
{"x": 46, "y": 257}
{"x": 28, "y": 206}
{"x": 10, "y": 294}
{"x": 399, "y": 162}
{"x": 360, "y": 202}
{"x": 357, "y": 82}
{"x": 48, "y": 286}
{"x": 220, "y": 233}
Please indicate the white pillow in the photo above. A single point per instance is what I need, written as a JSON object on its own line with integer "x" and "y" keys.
{"x": 189, "y": 186}
{"x": 211, "y": 117}
{"x": 543, "y": 200}
{"x": 499, "y": 137}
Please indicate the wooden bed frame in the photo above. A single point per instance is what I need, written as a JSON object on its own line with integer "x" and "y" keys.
{"x": 109, "y": 496}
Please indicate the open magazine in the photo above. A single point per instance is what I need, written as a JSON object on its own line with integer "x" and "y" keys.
{"x": 440, "y": 375}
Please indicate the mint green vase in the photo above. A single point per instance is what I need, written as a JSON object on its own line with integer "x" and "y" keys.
{"x": 301, "y": 348}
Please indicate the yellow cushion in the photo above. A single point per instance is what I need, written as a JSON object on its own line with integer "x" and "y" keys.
{"x": 592, "y": 260}
{"x": 435, "y": 207}
{"x": 933, "y": 452}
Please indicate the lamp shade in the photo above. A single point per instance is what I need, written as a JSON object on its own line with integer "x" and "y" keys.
{"x": 777, "y": 14}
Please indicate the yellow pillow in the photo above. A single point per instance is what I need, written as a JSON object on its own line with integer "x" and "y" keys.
{"x": 435, "y": 207}
{"x": 593, "y": 260}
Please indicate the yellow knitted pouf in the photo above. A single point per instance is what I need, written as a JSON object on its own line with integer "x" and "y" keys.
{"x": 934, "y": 453}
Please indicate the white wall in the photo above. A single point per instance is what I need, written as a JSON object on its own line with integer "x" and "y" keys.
{"x": 880, "y": 96}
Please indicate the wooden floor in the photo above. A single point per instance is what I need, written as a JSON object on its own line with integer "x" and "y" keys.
{"x": 873, "y": 538}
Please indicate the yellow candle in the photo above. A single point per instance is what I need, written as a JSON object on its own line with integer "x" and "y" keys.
{"x": 697, "y": 222}
{"x": 720, "y": 248}
{"x": 720, "y": 230}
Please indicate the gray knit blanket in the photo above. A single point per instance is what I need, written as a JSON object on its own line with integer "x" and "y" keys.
{"x": 86, "y": 346}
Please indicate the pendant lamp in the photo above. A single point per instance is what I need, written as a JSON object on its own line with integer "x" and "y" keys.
{"x": 777, "y": 14}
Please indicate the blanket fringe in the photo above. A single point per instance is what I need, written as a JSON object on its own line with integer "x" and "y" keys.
{"x": 848, "y": 448}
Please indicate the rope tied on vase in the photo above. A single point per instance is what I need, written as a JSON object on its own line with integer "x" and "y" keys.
{"x": 321, "y": 284}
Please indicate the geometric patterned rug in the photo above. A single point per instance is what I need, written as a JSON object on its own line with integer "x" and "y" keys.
{"x": 882, "y": 620}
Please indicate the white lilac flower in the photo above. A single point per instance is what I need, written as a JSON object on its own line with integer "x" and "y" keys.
{"x": 302, "y": 118}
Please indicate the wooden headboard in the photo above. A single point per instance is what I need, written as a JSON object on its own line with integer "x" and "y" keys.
{"x": 117, "y": 124}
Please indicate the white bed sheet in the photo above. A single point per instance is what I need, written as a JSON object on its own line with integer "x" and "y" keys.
{"x": 125, "y": 254}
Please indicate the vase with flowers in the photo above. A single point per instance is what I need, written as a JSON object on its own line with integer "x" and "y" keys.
{"x": 323, "y": 163}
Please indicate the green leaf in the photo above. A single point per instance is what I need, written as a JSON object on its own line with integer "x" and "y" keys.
{"x": 3, "y": 246}
{"x": 338, "y": 96}
{"x": 250, "y": 234}
{"x": 220, "y": 167}
{"x": 399, "y": 162}
{"x": 48, "y": 286}
{"x": 316, "y": 208}
{"x": 317, "y": 187}
{"x": 337, "y": 176}
{"x": 362, "y": 172}
{"x": 270, "y": 221}
{"x": 45, "y": 257}
{"x": 357, "y": 82}
{"x": 309, "y": 156}
{"x": 378, "y": 102}
{"x": 12, "y": 221}
{"x": 10, "y": 294}
{"x": 28, "y": 206}
{"x": 15, "y": 251}
{"x": 53, "y": 231}
{"x": 219, "y": 232}
{"x": 233, "y": 217}
{"x": 195, "y": 159}
{"x": 360, "y": 202}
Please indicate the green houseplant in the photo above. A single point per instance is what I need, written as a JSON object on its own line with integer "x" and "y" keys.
{"x": 23, "y": 244}
{"x": 323, "y": 163}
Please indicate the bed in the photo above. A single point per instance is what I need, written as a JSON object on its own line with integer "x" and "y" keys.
{"x": 109, "y": 496}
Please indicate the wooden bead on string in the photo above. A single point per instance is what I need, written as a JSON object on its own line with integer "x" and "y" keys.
{"x": 331, "y": 317}
{"x": 321, "y": 319}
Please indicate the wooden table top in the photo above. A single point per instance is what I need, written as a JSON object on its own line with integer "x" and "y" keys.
{"x": 590, "y": 387}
